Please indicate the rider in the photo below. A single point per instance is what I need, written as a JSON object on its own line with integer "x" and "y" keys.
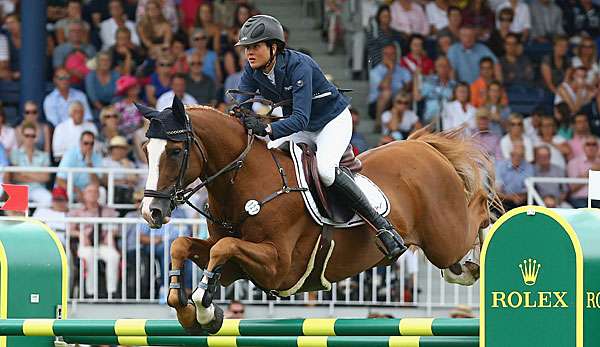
{"x": 319, "y": 114}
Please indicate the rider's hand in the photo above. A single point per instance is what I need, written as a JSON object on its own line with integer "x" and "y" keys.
{"x": 256, "y": 125}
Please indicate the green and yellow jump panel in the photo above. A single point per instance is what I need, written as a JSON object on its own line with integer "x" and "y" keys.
{"x": 33, "y": 276}
{"x": 540, "y": 276}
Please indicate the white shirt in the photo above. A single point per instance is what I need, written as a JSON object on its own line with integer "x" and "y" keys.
{"x": 592, "y": 73}
{"x": 166, "y": 100}
{"x": 454, "y": 116}
{"x": 109, "y": 27}
{"x": 56, "y": 108}
{"x": 46, "y": 213}
{"x": 436, "y": 16}
{"x": 506, "y": 147}
{"x": 67, "y": 135}
{"x": 521, "y": 20}
{"x": 8, "y": 138}
{"x": 4, "y": 51}
{"x": 409, "y": 118}
{"x": 556, "y": 157}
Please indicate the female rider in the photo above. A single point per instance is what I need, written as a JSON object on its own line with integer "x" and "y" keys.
{"x": 319, "y": 114}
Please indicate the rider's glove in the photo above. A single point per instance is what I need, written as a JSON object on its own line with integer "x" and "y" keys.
{"x": 256, "y": 125}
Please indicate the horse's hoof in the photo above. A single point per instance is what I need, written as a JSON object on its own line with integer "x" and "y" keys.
{"x": 215, "y": 325}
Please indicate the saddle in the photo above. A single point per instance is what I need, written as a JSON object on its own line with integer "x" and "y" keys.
{"x": 329, "y": 204}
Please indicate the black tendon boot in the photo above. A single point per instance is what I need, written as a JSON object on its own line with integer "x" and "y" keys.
{"x": 389, "y": 237}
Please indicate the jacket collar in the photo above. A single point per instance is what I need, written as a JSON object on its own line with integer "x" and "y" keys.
{"x": 279, "y": 70}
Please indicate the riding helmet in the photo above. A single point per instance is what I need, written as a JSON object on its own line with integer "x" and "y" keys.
{"x": 260, "y": 28}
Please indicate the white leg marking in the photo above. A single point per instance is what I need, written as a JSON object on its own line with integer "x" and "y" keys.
{"x": 155, "y": 148}
{"x": 203, "y": 315}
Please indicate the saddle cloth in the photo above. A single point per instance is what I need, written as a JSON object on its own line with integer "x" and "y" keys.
{"x": 375, "y": 195}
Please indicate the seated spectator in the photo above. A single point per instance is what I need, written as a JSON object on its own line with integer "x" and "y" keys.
{"x": 233, "y": 64}
{"x": 109, "y": 119}
{"x": 100, "y": 84}
{"x": 128, "y": 87}
{"x": 437, "y": 14}
{"x": 124, "y": 183}
{"x": 459, "y": 112}
{"x": 57, "y": 210}
{"x": 31, "y": 114}
{"x": 408, "y": 18}
{"x": 466, "y": 55}
{"x": 153, "y": 27}
{"x": 547, "y": 136}
{"x": 8, "y": 138}
{"x": 489, "y": 140}
{"x": 480, "y": 85}
{"x": 499, "y": 33}
{"x": 417, "y": 61}
{"x": 496, "y": 103}
{"x": 545, "y": 168}
{"x": 510, "y": 178}
{"x": 532, "y": 123}
{"x": 160, "y": 79}
{"x": 581, "y": 131}
{"x": 479, "y": 15}
{"x": 546, "y": 20}
{"x": 516, "y": 135}
{"x": 56, "y": 104}
{"x": 73, "y": 54}
{"x": 385, "y": 80}
{"x": 435, "y": 90}
{"x": 358, "y": 141}
{"x": 180, "y": 56}
{"x": 147, "y": 239}
{"x": 91, "y": 252}
{"x": 399, "y": 121}
{"x": 334, "y": 24}
{"x": 125, "y": 55}
{"x": 167, "y": 8}
{"x": 67, "y": 133}
{"x": 81, "y": 156}
{"x": 235, "y": 310}
{"x": 454, "y": 23}
{"x": 562, "y": 114}
{"x": 118, "y": 19}
{"x": 5, "y": 72}
{"x": 12, "y": 26}
{"x": 554, "y": 67}
{"x": 74, "y": 13}
{"x": 380, "y": 35}
{"x": 582, "y": 18}
{"x": 521, "y": 23}
{"x": 586, "y": 55}
{"x": 517, "y": 69}
{"x": 211, "y": 65}
{"x": 579, "y": 167}
{"x": 177, "y": 89}
{"x": 204, "y": 19}
{"x": 29, "y": 156}
{"x": 575, "y": 93}
{"x": 242, "y": 12}
{"x": 200, "y": 86}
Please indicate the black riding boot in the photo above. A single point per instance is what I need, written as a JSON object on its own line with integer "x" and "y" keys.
{"x": 347, "y": 188}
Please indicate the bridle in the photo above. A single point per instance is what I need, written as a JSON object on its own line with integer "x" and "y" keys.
{"x": 178, "y": 194}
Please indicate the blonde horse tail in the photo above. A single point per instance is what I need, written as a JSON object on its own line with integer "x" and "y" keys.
{"x": 471, "y": 162}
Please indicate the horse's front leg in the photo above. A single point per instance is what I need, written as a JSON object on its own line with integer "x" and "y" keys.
{"x": 261, "y": 261}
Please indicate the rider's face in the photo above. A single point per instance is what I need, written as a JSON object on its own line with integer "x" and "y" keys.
{"x": 257, "y": 54}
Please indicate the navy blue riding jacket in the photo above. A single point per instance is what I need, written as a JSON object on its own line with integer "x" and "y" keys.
{"x": 315, "y": 100}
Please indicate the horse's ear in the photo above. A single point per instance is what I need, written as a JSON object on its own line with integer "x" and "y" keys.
{"x": 178, "y": 110}
{"x": 146, "y": 111}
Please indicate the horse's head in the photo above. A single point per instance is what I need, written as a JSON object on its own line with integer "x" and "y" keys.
{"x": 173, "y": 162}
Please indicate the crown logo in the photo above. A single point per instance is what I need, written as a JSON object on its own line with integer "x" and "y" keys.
{"x": 529, "y": 270}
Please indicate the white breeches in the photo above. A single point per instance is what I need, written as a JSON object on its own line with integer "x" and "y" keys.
{"x": 331, "y": 143}
{"x": 111, "y": 258}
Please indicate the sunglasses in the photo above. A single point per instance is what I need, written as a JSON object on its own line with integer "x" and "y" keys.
{"x": 60, "y": 199}
{"x": 506, "y": 19}
{"x": 237, "y": 311}
{"x": 591, "y": 144}
{"x": 62, "y": 78}
{"x": 29, "y": 136}
{"x": 587, "y": 46}
{"x": 31, "y": 111}
{"x": 196, "y": 63}
{"x": 88, "y": 143}
{"x": 516, "y": 124}
{"x": 165, "y": 64}
{"x": 111, "y": 115}
{"x": 199, "y": 38}
{"x": 402, "y": 102}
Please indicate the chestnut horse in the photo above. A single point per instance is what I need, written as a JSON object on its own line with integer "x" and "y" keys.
{"x": 440, "y": 187}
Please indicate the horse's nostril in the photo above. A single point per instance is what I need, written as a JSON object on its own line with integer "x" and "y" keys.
{"x": 156, "y": 214}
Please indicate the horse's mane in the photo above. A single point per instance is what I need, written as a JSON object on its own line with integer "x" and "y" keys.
{"x": 209, "y": 109}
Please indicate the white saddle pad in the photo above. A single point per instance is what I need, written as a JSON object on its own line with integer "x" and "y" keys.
{"x": 375, "y": 195}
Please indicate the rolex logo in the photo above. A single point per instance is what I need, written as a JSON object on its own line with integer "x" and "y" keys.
{"x": 529, "y": 270}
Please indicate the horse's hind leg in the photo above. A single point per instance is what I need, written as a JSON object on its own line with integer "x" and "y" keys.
{"x": 261, "y": 261}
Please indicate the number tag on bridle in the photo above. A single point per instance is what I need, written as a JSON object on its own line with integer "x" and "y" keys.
{"x": 252, "y": 207}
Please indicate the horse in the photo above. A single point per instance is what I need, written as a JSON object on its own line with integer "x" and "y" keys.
{"x": 440, "y": 187}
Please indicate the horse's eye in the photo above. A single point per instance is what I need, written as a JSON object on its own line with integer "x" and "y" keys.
{"x": 176, "y": 152}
